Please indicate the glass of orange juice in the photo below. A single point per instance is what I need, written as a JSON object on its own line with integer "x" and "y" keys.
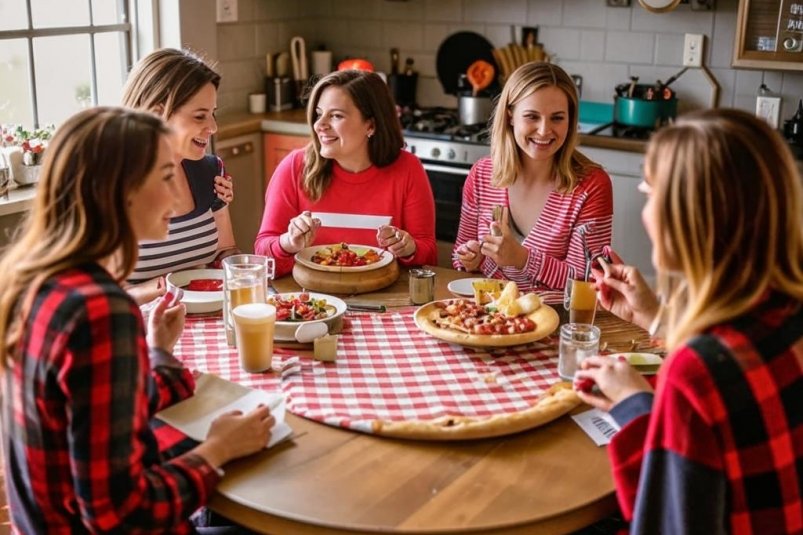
{"x": 254, "y": 325}
{"x": 580, "y": 299}
{"x": 245, "y": 280}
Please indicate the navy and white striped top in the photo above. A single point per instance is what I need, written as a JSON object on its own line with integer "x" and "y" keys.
{"x": 192, "y": 238}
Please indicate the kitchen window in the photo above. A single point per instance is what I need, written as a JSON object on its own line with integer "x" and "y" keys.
{"x": 60, "y": 56}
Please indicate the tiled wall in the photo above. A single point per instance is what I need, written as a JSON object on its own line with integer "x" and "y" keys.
{"x": 605, "y": 45}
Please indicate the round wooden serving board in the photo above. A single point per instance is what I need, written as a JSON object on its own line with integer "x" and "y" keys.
{"x": 343, "y": 282}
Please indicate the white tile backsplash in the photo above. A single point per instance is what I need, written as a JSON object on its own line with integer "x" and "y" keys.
{"x": 603, "y": 44}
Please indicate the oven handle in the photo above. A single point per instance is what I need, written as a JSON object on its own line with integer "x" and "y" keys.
{"x": 446, "y": 169}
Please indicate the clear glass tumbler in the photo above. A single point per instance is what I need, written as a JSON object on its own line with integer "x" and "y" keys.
{"x": 580, "y": 299}
{"x": 245, "y": 280}
{"x": 578, "y": 341}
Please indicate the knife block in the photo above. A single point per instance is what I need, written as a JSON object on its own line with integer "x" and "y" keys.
{"x": 281, "y": 93}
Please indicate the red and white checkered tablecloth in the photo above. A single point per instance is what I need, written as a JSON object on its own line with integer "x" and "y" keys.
{"x": 386, "y": 369}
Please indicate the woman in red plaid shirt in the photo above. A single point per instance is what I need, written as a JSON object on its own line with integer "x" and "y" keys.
{"x": 81, "y": 378}
{"x": 719, "y": 447}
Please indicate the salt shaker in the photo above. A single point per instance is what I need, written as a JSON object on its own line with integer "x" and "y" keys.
{"x": 422, "y": 286}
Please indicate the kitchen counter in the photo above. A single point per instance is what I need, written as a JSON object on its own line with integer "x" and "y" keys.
{"x": 295, "y": 122}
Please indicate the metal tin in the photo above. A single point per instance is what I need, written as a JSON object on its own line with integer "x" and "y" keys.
{"x": 422, "y": 286}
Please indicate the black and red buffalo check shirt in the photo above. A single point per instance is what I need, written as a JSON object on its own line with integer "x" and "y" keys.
{"x": 78, "y": 450}
{"x": 721, "y": 448}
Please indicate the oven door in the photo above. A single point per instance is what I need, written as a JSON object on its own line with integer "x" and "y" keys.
{"x": 447, "y": 188}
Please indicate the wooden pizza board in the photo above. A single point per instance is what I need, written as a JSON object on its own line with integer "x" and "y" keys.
{"x": 345, "y": 283}
{"x": 546, "y": 321}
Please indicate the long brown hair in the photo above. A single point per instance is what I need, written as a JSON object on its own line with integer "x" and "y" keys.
{"x": 729, "y": 222}
{"x": 372, "y": 98}
{"x": 166, "y": 79}
{"x": 95, "y": 160}
{"x": 570, "y": 164}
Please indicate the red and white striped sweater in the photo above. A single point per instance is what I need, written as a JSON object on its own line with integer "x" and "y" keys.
{"x": 555, "y": 248}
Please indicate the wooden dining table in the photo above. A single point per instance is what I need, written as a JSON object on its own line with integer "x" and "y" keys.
{"x": 329, "y": 480}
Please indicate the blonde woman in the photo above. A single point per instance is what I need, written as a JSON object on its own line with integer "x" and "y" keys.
{"x": 718, "y": 448}
{"x": 545, "y": 192}
{"x": 181, "y": 88}
{"x": 77, "y": 366}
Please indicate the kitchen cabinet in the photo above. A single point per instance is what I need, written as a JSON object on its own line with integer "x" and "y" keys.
{"x": 769, "y": 35}
{"x": 243, "y": 161}
{"x": 276, "y": 147}
{"x": 630, "y": 239}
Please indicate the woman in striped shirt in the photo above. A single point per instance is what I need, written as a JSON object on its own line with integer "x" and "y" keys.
{"x": 182, "y": 89}
{"x": 541, "y": 188}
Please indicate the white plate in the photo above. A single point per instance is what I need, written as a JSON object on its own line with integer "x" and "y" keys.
{"x": 304, "y": 256}
{"x": 645, "y": 363}
{"x": 463, "y": 287}
{"x": 286, "y": 330}
{"x": 198, "y": 302}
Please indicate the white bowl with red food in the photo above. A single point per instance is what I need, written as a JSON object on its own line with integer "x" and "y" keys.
{"x": 294, "y": 309}
{"x": 202, "y": 289}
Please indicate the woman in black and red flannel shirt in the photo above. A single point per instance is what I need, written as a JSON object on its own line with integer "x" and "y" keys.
{"x": 78, "y": 367}
{"x": 719, "y": 447}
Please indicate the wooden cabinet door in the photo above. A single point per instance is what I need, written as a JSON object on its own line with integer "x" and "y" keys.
{"x": 277, "y": 146}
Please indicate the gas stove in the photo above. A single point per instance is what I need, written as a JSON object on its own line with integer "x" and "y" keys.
{"x": 436, "y": 135}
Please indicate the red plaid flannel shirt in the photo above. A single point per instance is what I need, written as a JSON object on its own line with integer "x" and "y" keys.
{"x": 722, "y": 448}
{"x": 79, "y": 453}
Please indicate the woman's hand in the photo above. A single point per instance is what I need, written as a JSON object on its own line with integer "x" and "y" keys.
{"x": 233, "y": 435}
{"x": 469, "y": 255}
{"x": 147, "y": 291}
{"x": 224, "y": 188}
{"x": 399, "y": 242}
{"x": 500, "y": 245}
{"x": 624, "y": 292}
{"x": 165, "y": 324}
{"x": 615, "y": 381}
{"x": 300, "y": 232}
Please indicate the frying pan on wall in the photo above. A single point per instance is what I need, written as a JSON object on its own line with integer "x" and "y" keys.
{"x": 456, "y": 53}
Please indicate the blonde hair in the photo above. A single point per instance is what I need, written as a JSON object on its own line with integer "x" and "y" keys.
{"x": 95, "y": 160}
{"x": 570, "y": 164}
{"x": 166, "y": 79}
{"x": 729, "y": 219}
{"x": 372, "y": 98}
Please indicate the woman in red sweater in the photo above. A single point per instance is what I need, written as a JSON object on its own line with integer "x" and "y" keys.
{"x": 547, "y": 190}
{"x": 718, "y": 448}
{"x": 354, "y": 164}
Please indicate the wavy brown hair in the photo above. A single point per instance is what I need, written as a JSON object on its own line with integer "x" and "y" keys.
{"x": 167, "y": 78}
{"x": 729, "y": 219}
{"x": 570, "y": 164}
{"x": 372, "y": 98}
{"x": 95, "y": 160}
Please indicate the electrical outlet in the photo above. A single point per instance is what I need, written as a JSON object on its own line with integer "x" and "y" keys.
{"x": 226, "y": 10}
{"x": 769, "y": 108}
{"x": 693, "y": 50}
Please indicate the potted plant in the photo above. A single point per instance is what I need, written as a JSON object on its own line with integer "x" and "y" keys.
{"x": 28, "y": 147}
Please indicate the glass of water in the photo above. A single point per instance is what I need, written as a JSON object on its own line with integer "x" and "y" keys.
{"x": 578, "y": 341}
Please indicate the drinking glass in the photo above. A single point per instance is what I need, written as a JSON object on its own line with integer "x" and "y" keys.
{"x": 578, "y": 341}
{"x": 580, "y": 299}
{"x": 254, "y": 325}
{"x": 245, "y": 280}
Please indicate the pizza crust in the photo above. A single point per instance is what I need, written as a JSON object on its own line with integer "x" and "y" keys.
{"x": 559, "y": 399}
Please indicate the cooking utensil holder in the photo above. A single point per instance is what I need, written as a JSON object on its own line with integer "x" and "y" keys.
{"x": 403, "y": 87}
{"x": 281, "y": 93}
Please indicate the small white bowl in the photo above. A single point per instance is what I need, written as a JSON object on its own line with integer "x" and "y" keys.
{"x": 198, "y": 302}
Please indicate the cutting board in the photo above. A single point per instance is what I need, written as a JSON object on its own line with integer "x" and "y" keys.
{"x": 345, "y": 283}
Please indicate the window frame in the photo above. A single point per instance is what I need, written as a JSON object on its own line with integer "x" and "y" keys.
{"x": 129, "y": 9}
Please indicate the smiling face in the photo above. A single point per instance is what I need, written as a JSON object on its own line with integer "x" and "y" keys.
{"x": 541, "y": 123}
{"x": 194, "y": 123}
{"x": 342, "y": 130}
{"x": 151, "y": 205}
